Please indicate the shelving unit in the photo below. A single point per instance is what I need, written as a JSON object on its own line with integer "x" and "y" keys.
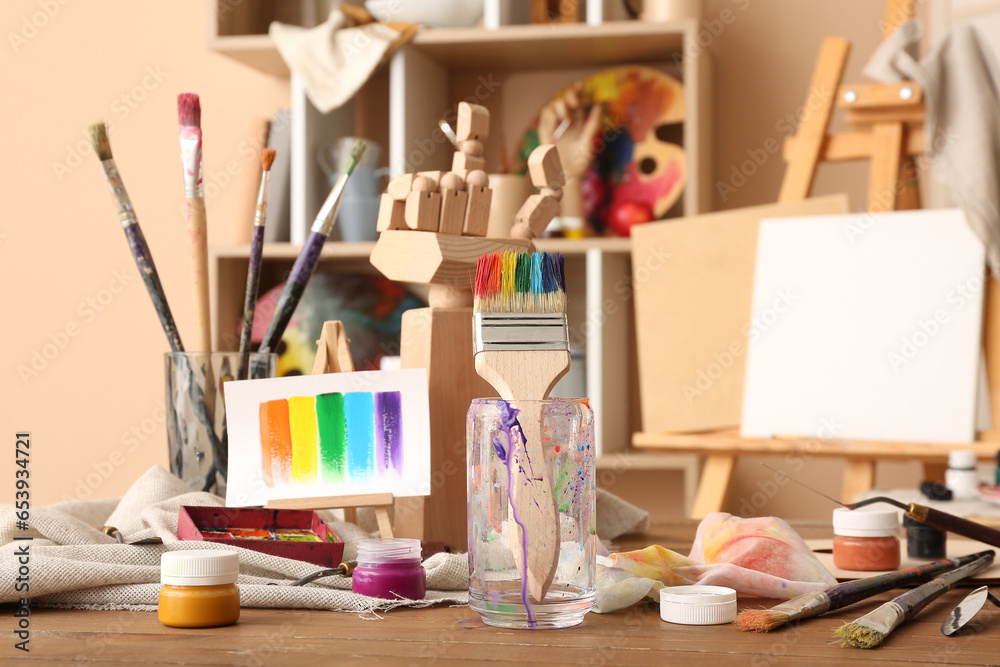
{"x": 513, "y": 71}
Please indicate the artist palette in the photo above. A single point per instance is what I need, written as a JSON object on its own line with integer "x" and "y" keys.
{"x": 298, "y": 534}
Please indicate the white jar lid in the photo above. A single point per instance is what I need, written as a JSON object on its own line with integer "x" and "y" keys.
{"x": 698, "y": 605}
{"x": 384, "y": 549}
{"x": 962, "y": 459}
{"x": 865, "y": 522}
{"x": 199, "y": 567}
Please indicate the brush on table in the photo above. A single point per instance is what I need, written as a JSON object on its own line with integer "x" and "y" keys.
{"x": 253, "y": 270}
{"x": 870, "y": 630}
{"x": 147, "y": 269}
{"x": 305, "y": 264}
{"x": 189, "y": 116}
{"x": 839, "y": 596}
{"x": 521, "y": 346}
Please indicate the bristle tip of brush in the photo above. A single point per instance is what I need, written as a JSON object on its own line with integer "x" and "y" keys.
{"x": 99, "y": 139}
{"x": 512, "y": 282}
{"x": 859, "y": 636}
{"x": 761, "y": 620}
{"x": 189, "y": 110}
{"x": 267, "y": 158}
{"x": 356, "y": 154}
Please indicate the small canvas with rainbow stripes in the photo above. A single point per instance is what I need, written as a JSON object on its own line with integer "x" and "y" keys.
{"x": 327, "y": 435}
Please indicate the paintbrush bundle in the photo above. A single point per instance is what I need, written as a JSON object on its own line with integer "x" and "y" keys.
{"x": 870, "y": 630}
{"x": 839, "y": 596}
{"x": 521, "y": 347}
{"x": 306, "y": 262}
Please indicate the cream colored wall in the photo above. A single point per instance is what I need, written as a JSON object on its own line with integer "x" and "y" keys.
{"x": 94, "y": 408}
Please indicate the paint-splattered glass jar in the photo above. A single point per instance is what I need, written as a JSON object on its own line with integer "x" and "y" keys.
{"x": 532, "y": 521}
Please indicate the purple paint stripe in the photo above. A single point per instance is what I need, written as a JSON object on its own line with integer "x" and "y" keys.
{"x": 389, "y": 433}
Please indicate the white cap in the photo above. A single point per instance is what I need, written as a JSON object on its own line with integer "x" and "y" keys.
{"x": 698, "y": 605}
{"x": 865, "y": 523}
{"x": 962, "y": 459}
{"x": 199, "y": 567}
{"x": 381, "y": 550}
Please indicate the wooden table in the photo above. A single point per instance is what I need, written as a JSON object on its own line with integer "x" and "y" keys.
{"x": 455, "y": 635}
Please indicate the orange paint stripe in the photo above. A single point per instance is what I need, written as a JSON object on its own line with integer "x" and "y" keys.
{"x": 275, "y": 442}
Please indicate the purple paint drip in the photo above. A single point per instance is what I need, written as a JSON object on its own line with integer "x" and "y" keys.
{"x": 508, "y": 420}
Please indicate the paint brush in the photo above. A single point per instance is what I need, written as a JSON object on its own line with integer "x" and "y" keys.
{"x": 870, "y": 630}
{"x": 147, "y": 269}
{"x": 839, "y": 596}
{"x": 921, "y": 513}
{"x": 253, "y": 270}
{"x": 136, "y": 240}
{"x": 189, "y": 117}
{"x": 939, "y": 519}
{"x": 521, "y": 346}
{"x": 306, "y": 263}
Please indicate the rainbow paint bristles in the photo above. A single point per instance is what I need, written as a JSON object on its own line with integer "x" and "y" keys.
{"x": 513, "y": 282}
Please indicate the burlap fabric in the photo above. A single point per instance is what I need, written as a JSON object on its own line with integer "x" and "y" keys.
{"x": 73, "y": 564}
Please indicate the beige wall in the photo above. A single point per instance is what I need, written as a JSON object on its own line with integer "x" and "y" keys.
{"x": 61, "y": 246}
{"x": 95, "y": 409}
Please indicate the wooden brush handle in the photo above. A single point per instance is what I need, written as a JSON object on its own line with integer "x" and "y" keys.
{"x": 955, "y": 524}
{"x": 532, "y": 507}
{"x": 199, "y": 263}
{"x": 203, "y": 313}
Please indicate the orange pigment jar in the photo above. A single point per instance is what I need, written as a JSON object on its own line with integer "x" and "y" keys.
{"x": 199, "y": 588}
{"x": 866, "y": 540}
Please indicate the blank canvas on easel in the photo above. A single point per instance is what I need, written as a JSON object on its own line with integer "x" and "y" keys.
{"x": 867, "y": 327}
{"x": 693, "y": 282}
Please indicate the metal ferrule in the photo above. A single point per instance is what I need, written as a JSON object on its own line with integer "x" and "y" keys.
{"x": 126, "y": 214}
{"x": 805, "y": 606}
{"x": 327, "y": 214}
{"x": 520, "y": 331}
{"x": 261, "y": 215}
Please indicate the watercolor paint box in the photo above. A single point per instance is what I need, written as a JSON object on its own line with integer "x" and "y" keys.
{"x": 275, "y": 532}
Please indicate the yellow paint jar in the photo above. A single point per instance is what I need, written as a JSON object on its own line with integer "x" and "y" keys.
{"x": 199, "y": 588}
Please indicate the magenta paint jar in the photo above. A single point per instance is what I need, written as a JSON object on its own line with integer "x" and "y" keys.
{"x": 389, "y": 568}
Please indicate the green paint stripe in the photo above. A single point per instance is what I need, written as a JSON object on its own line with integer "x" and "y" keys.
{"x": 332, "y": 436}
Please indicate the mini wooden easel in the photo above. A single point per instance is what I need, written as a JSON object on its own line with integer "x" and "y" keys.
{"x": 333, "y": 355}
{"x": 880, "y": 116}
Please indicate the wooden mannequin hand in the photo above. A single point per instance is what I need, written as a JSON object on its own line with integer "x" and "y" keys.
{"x": 576, "y": 144}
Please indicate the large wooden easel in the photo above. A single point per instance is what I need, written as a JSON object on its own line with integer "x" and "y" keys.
{"x": 880, "y": 116}
{"x": 333, "y": 355}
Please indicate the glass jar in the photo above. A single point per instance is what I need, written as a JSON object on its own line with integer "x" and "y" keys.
{"x": 195, "y": 434}
{"x": 389, "y": 568}
{"x": 199, "y": 589}
{"x": 544, "y": 451}
{"x": 866, "y": 540}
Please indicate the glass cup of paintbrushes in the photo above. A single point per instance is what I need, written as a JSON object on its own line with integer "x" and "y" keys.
{"x": 200, "y": 458}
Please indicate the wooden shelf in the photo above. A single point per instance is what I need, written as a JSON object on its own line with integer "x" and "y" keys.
{"x": 730, "y": 443}
{"x": 257, "y": 51}
{"x": 340, "y": 250}
{"x": 520, "y": 47}
{"x": 534, "y": 47}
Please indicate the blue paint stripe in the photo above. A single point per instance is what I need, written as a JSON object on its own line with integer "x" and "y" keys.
{"x": 359, "y": 409}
